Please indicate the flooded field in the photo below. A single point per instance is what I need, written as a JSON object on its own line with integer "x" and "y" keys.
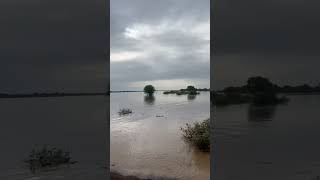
{"x": 271, "y": 142}
{"x": 75, "y": 124}
{"x": 148, "y": 142}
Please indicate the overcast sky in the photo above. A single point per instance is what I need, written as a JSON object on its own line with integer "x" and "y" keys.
{"x": 53, "y": 45}
{"x": 164, "y": 43}
{"x": 278, "y": 39}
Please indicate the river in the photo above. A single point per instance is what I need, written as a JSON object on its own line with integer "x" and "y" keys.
{"x": 271, "y": 142}
{"x": 148, "y": 142}
{"x": 77, "y": 124}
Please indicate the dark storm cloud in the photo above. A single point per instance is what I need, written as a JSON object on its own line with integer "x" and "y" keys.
{"x": 278, "y": 39}
{"x": 159, "y": 41}
{"x": 53, "y": 46}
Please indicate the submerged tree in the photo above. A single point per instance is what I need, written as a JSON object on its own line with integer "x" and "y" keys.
{"x": 149, "y": 89}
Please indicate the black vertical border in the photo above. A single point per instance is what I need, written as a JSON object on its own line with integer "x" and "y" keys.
{"x": 212, "y": 119}
{"x": 107, "y": 57}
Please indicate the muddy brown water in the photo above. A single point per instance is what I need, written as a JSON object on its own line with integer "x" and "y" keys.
{"x": 148, "y": 142}
{"x": 271, "y": 142}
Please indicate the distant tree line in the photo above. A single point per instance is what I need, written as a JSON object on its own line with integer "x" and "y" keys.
{"x": 258, "y": 83}
{"x": 190, "y": 90}
{"x": 258, "y": 90}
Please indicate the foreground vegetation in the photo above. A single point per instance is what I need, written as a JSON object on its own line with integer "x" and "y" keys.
{"x": 198, "y": 134}
{"x": 48, "y": 157}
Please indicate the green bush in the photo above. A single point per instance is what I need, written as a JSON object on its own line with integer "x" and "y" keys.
{"x": 198, "y": 134}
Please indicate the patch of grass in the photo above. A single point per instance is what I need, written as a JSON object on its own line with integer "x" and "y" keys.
{"x": 47, "y": 157}
{"x": 124, "y": 111}
{"x": 198, "y": 134}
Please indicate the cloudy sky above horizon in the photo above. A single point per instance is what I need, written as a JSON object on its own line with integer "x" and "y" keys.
{"x": 164, "y": 43}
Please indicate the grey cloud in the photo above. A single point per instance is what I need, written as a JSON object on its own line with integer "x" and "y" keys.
{"x": 184, "y": 55}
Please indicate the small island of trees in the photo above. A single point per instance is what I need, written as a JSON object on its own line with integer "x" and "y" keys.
{"x": 258, "y": 91}
{"x": 190, "y": 90}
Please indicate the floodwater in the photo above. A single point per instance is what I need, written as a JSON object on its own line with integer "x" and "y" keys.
{"x": 75, "y": 124}
{"x": 148, "y": 142}
{"x": 272, "y": 142}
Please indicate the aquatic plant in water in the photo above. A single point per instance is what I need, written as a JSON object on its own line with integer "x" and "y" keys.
{"x": 48, "y": 157}
{"x": 198, "y": 134}
{"x": 124, "y": 111}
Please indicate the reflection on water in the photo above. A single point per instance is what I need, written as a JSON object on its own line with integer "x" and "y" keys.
{"x": 261, "y": 113}
{"x": 149, "y": 142}
{"x": 269, "y": 142}
{"x": 149, "y": 99}
{"x": 191, "y": 97}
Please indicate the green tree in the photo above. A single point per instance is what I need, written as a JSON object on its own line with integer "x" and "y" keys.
{"x": 149, "y": 89}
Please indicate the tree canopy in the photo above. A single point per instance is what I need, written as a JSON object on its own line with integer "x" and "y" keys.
{"x": 149, "y": 89}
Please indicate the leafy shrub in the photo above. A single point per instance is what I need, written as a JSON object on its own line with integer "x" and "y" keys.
{"x": 198, "y": 134}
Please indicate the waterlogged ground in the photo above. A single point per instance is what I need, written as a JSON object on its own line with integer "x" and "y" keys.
{"x": 76, "y": 124}
{"x": 148, "y": 143}
{"x": 272, "y": 142}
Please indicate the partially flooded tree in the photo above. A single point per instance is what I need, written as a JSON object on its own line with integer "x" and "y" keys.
{"x": 149, "y": 89}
